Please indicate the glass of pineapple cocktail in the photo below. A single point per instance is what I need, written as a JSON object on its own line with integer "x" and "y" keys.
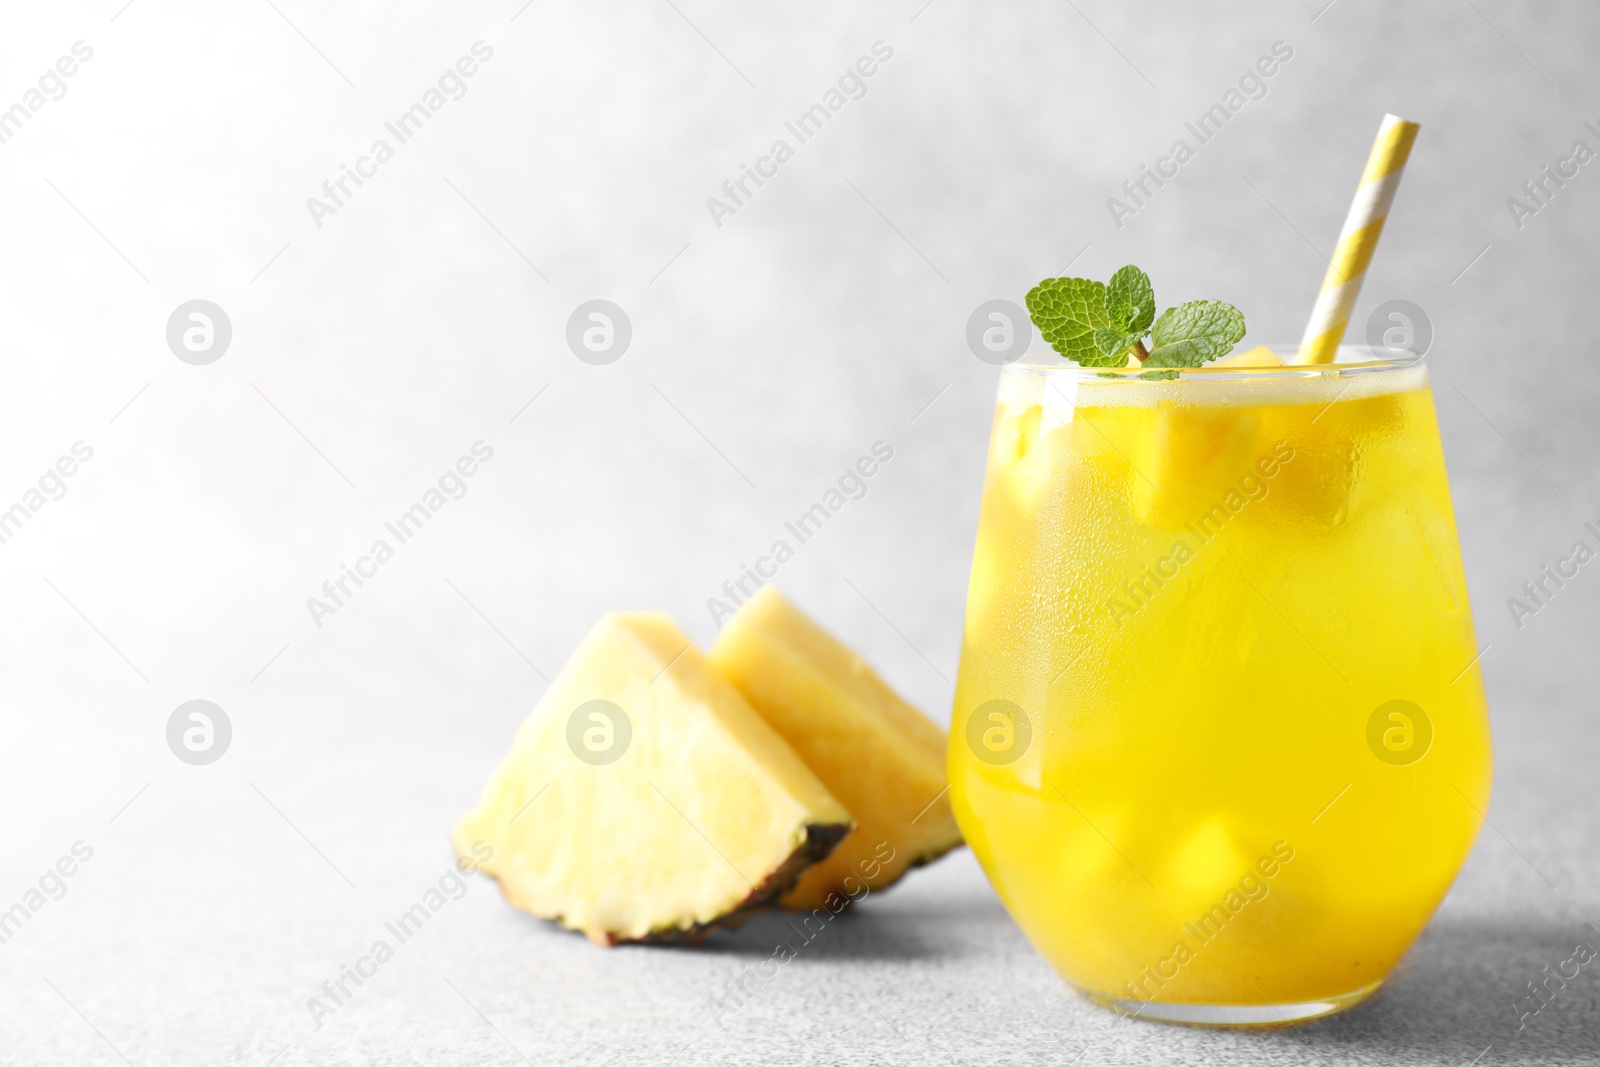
{"x": 1219, "y": 735}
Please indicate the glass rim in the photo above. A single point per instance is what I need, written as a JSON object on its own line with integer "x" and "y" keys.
{"x": 1348, "y": 361}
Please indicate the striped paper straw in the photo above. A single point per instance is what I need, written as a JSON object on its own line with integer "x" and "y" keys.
{"x": 1357, "y": 240}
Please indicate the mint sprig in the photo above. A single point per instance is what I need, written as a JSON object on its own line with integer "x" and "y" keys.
{"x": 1098, "y": 325}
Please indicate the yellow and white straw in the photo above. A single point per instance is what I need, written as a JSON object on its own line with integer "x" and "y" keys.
{"x": 1357, "y": 240}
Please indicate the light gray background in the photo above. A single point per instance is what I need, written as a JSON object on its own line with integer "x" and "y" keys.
{"x": 767, "y": 354}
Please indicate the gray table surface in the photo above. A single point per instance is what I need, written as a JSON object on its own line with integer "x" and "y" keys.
{"x": 828, "y": 312}
{"x": 216, "y": 904}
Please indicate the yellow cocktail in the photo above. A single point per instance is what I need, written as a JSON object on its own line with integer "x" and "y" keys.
{"x": 1219, "y": 735}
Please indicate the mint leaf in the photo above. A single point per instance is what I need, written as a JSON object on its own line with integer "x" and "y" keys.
{"x": 1130, "y": 302}
{"x": 1068, "y": 311}
{"x": 1114, "y": 344}
{"x": 1195, "y": 333}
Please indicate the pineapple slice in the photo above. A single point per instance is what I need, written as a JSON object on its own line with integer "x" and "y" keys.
{"x": 875, "y": 752}
{"x": 1259, "y": 356}
{"x": 1196, "y": 457}
{"x": 680, "y": 812}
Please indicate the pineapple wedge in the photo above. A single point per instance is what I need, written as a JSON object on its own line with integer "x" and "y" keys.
{"x": 1259, "y": 356}
{"x": 1195, "y": 458}
{"x": 681, "y": 812}
{"x": 875, "y": 752}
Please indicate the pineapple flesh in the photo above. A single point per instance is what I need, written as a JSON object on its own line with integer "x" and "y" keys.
{"x": 681, "y": 812}
{"x": 879, "y": 755}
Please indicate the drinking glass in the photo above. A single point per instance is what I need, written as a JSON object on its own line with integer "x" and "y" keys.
{"x": 1219, "y": 736}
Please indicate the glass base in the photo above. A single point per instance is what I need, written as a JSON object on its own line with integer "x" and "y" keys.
{"x": 1235, "y": 1015}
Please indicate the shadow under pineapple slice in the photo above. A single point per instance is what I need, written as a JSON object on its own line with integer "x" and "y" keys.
{"x": 879, "y": 755}
{"x": 644, "y": 799}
